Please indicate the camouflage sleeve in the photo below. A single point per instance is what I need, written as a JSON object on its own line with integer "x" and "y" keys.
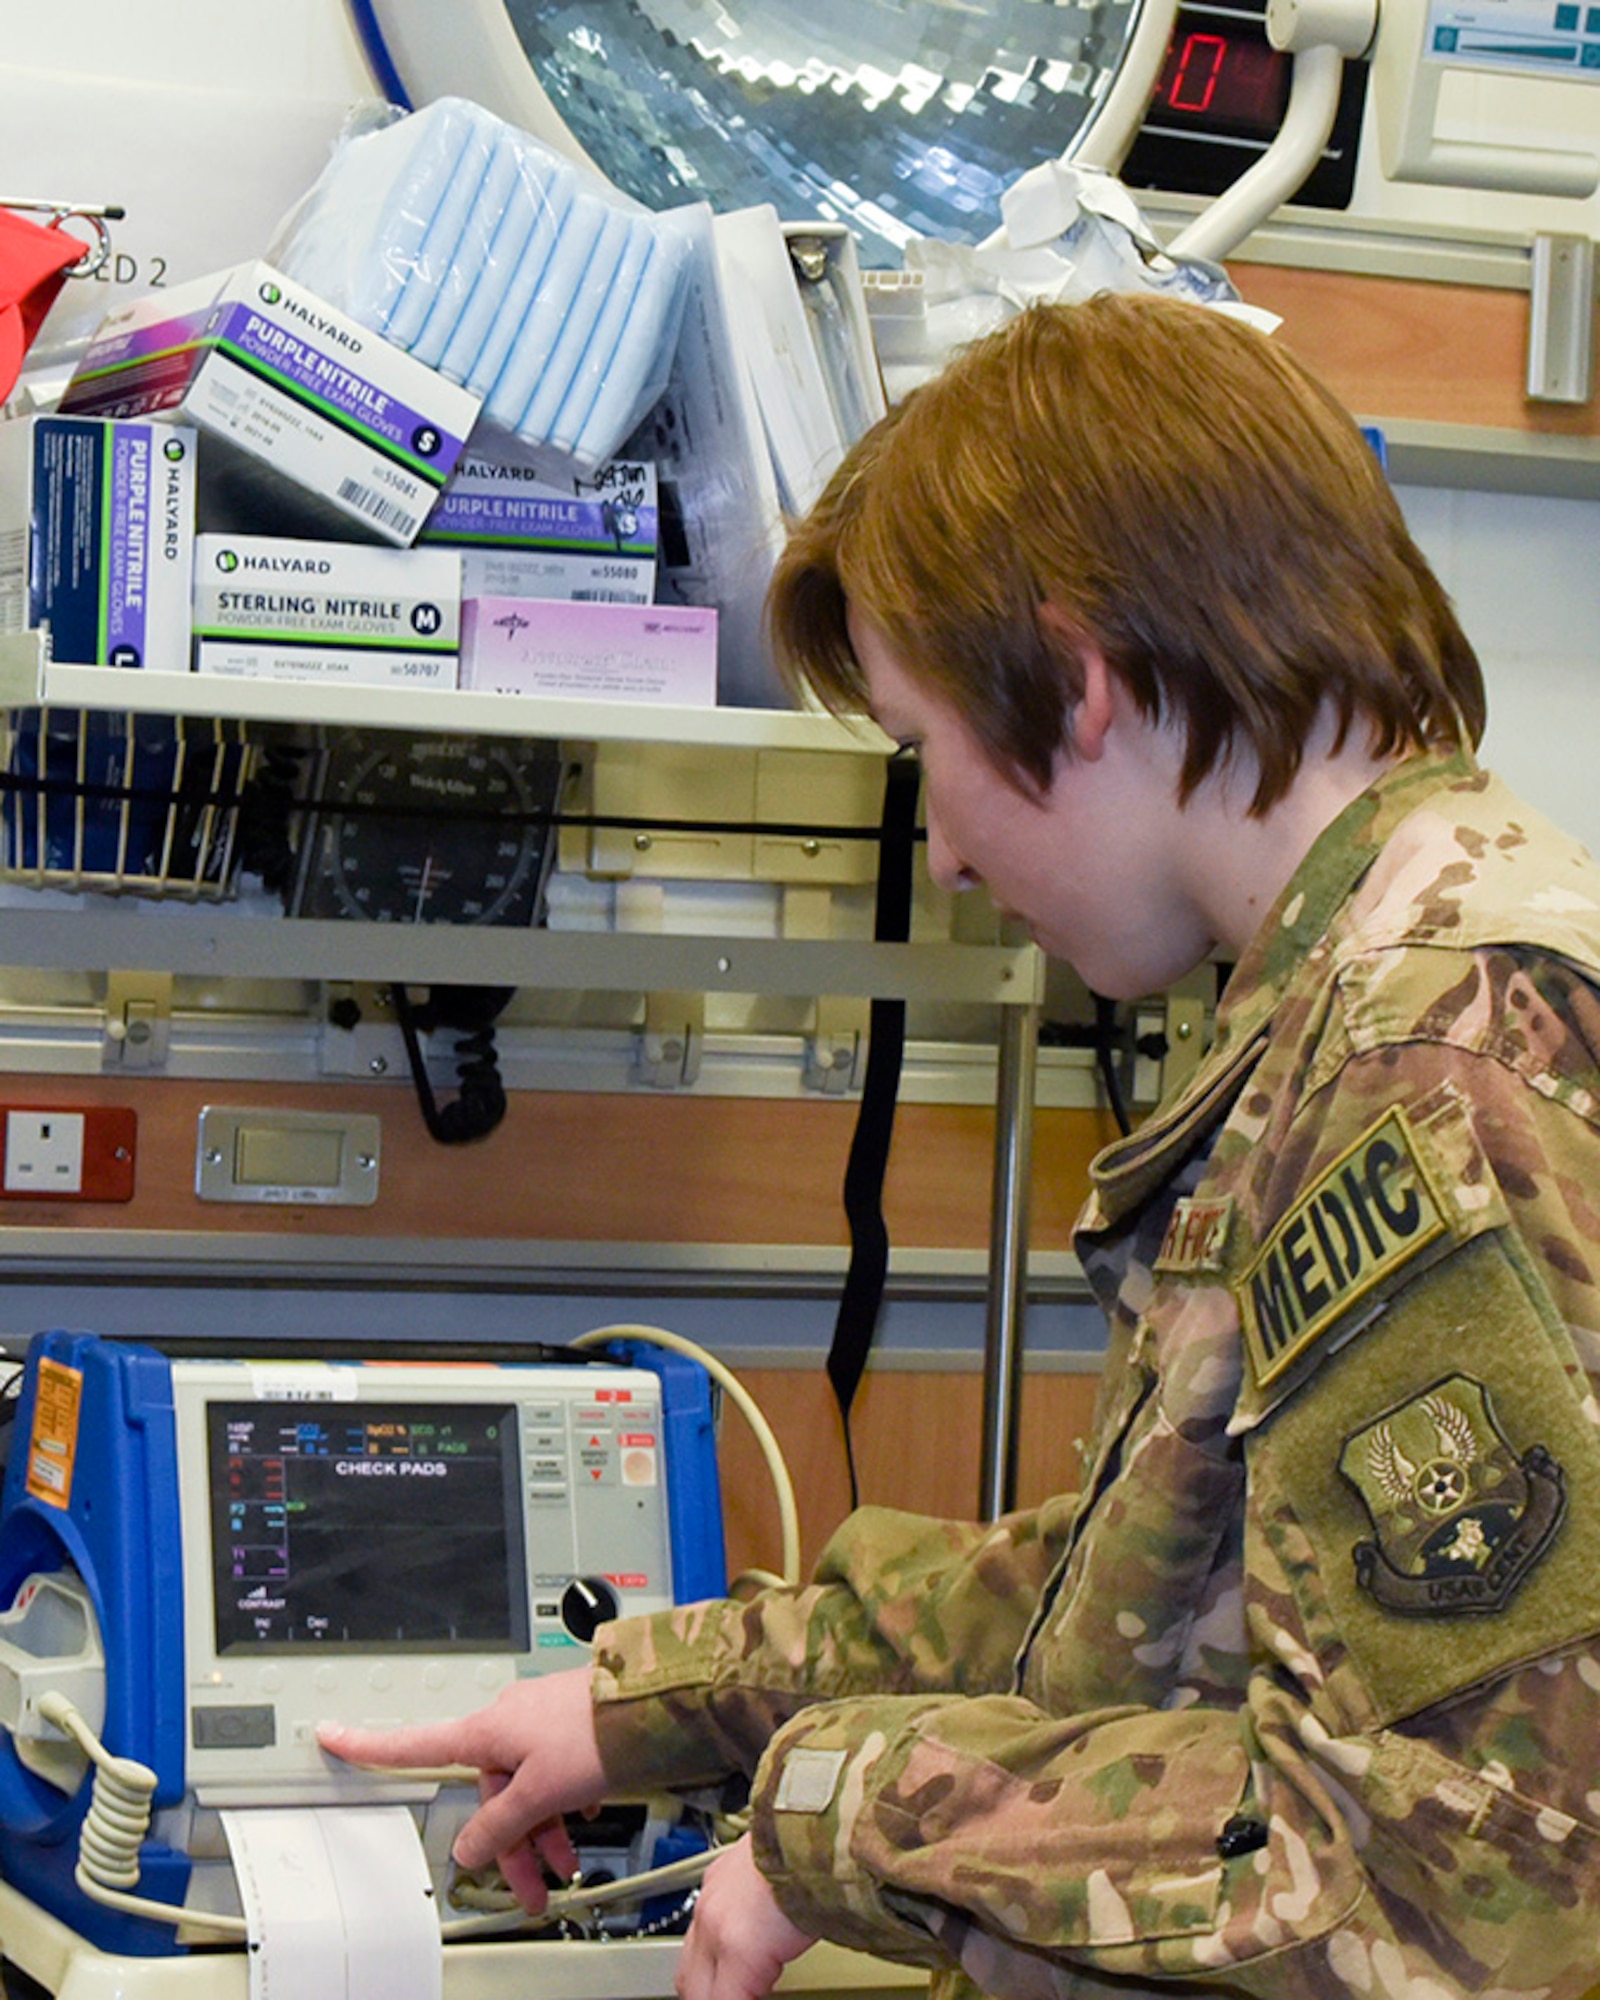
{"x": 991, "y": 1834}
{"x": 1061, "y": 1858}
{"x": 1403, "y": 1802}
{"x": 898, "y": 1602}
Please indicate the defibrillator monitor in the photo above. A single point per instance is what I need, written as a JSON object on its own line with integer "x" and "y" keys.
{"x": 390, "y": 1542}
{"x": 380, "y": 1527}
{"x": 210, "y": 1557}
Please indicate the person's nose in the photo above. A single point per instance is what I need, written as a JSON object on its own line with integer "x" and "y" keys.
{"x": 945, "y": 865}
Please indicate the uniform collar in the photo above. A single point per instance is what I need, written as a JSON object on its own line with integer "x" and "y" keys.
{"x": 1298, "y": 923}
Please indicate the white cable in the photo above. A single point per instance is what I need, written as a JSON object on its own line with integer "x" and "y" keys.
{"x": 114, "y": 1829}
{"x": 783, "y": 1486}
{"x": 565, "y": 1903}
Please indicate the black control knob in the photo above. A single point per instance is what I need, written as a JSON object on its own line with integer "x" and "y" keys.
{"x": 586, "y": 1604}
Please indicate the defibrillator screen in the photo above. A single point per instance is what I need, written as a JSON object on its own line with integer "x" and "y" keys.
{"x": 366, "y": 1527}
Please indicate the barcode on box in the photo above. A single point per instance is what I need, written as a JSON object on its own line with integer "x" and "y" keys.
{"x": 384, "y": 511}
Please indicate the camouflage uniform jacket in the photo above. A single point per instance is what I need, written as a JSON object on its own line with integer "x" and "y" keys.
{"x": 1301, "y": 1694}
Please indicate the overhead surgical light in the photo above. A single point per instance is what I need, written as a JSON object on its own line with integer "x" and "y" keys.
{"x": 911, "y": 119}
{"x": 904, "y": 120}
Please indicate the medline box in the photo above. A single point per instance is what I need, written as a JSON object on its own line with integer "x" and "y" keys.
{"x": 592, "y": 652}
{"x": 524, "y": 534}
{"x": 104, "y": 556}
{"x": 273, "y": 609}
{"x": 333, "y": 421}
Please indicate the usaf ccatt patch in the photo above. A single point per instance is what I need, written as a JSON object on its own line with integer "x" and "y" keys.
{"x": 1459, "y": 1518}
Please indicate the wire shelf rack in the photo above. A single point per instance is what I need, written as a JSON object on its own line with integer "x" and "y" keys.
{"x": 124, "y": 804}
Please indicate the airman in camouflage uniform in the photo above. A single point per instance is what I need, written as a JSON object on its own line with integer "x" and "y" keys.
{"x": 1301, "y": 1696}
{"x": 1299, "y": 1693}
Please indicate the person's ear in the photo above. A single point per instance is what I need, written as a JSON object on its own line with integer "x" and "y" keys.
{"x": 1096, "y": 707}
{"x": 1091, "y": 705}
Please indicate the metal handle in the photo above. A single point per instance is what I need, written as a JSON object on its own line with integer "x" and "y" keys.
{"x": 96, "y": 214}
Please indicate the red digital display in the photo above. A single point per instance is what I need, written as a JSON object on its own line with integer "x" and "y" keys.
{"x": 1220, "y": 101}
{"x": 1237, "y": 82}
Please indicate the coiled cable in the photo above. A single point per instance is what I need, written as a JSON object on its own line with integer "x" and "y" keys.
{"x": 480, "y": 1103}
{"x": 115, "y": 1826}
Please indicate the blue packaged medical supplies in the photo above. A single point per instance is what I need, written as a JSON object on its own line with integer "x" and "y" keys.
{"x": 140, "y": 804}
{"x": 105, "y": 551}
{"x": 503, "y": 265}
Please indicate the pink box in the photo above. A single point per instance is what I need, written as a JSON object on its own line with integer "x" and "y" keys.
{"x": 592, "y": 652}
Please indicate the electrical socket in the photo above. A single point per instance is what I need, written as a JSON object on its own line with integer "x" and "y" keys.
{"x": 58, "y": 1152}
{"x": 44, "y": 1152}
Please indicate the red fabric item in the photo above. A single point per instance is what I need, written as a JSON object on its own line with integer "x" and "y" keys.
{"x": 33, "y": 268}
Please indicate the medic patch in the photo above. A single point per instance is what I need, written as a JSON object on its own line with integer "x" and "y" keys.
{"x": 1371, "y": 1212}
{"x": 1197, "y": 1236}
{"x": 1459, "y": 1518}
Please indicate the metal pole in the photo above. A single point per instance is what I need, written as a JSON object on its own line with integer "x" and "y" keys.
{"x": 1008, "y": 1259}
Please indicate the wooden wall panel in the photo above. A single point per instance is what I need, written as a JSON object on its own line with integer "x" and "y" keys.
{"x": 917, "y": 1435}
{"x": 648, "y": 1168}
{"x": 1397, "y": 347}
{"x": 656, "y": 1169}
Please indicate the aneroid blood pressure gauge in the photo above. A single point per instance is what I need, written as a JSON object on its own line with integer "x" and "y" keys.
{"x": 408, "y": 829}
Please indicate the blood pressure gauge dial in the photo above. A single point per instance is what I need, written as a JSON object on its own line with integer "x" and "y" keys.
{"x": 432, "y": 830}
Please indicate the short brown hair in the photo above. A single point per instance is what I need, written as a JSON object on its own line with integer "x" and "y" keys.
{"x": 1191, "y": 499}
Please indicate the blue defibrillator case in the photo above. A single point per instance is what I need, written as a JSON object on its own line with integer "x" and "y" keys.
{"x": 217, "y": 1553}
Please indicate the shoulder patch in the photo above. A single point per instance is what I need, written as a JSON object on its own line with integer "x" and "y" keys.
{"x": 1460, "y": 1519}
{"x": 1443, "y": 1464}
{"x": 1365, "y": 1217}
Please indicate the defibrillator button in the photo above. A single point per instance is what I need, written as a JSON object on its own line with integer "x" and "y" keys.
{"x": 253, "y": 1728}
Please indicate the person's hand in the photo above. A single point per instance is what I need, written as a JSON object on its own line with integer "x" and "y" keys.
{"x": 536, "y": 1756}
{"x": 739, "y": 1940}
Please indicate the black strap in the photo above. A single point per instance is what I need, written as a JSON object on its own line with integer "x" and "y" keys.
{"x": 862, "y": 1298}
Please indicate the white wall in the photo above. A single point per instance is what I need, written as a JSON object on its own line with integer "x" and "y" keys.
{"x": 1524, "y": 573}
{"x": 204, "y": 119}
